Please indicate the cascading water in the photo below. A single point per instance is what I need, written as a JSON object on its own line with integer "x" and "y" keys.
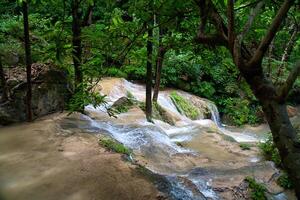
{"x": 215, "y": 116}
{"x": 156, "y": 143}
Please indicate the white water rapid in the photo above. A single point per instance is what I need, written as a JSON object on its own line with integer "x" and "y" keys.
{"x": 192, "y": 154}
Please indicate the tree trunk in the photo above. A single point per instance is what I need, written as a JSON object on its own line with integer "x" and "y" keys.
{"x": 149, "y": 75}
{"x": 76, "y": 29}
{"x": 28, "y": 59}
{"x": 285, "y": 139}
{"x": 284, "y": 135}
{"x": 159, "y": 62}
{"x": 87, "y": 20}
{"x": 3, "y": 83}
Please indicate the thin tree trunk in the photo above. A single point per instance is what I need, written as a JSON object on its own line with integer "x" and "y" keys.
{"x": 149, "y": 75}
{"x": 285, "y": 139}
{"x": 3, "y": 83}
{"x": 28, "y": 60}
{"x": 77, "y": 51}
{"x": 159, "y": 62}
{"x": 87, "y": 20}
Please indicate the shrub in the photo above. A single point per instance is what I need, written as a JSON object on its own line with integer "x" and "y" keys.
{"x": 240, "y": 110}
{"x": 115, "y": 72}
{"x": 284, "y": 181}
{"x": 184, "y": 107}
{"x": 84, "y": 97}
{"x": 135, "y": 72}
{"x": 270, "y": 151}
{"x": 257, "y": 189}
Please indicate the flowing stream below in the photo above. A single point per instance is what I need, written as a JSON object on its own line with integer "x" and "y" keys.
{"x": 59, "y": 157}
{"x": 200, "y": 159}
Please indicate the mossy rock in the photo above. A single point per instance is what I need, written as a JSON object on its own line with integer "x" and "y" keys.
{"x": 161, "y": 114}
{"x": 114, "y": 146}
{"x": 184, "y": 106}
{"x": 122, "y": 105}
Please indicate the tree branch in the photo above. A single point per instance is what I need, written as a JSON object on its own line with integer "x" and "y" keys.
{"x": 252, "y": 16}
{"x": 294, "y": 73}
{"x": 230, "y": 16}
{"x": 288, "y": 48}
{"x": 211, "y": 40}
{"x": 265, "y": 42}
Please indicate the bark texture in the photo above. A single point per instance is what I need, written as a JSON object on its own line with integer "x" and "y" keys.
{"x": 3, "y": 83}
{"x": 149, "y": 76}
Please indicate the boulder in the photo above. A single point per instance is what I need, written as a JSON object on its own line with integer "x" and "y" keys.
{"x": 292, "y": 111}
{"x": 49, "y": 94}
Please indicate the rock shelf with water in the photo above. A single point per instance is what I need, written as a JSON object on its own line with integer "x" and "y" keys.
{"x": 190, "y": 159}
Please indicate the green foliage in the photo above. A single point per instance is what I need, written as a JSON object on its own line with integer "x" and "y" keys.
{"x": 114, "y": 146}
{"x": 115, "y": 72}
{"x": 245, "y": 146}
{"x": 270, "y": 151}
{"x": 239, "y": 110}
{"x": 257, "y": 190}
{"x": 135, "y": 72}
{"x": 203, "y": 89}
{"x": 83, "y": 97}
{"x": 184, "y": 107}
{"x": 284, "y": 181}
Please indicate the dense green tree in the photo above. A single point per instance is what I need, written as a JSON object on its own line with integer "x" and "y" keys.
{"x": 250, "y": 64}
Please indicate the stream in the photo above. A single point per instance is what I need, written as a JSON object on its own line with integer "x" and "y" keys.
{"x": 200, "y": 159}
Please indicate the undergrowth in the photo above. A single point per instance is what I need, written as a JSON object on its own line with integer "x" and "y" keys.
{"x": 257, "y": 189}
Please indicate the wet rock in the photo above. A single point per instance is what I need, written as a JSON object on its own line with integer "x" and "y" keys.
{"x": 123, "y": 101}
{"x": 49, "y": 94}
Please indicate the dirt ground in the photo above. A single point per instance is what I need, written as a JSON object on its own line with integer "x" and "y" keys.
{"x": 38, "y": 162}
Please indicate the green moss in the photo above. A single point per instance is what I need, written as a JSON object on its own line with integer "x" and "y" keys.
{"x": 284, "y": 181}
{"x": 114, "y": 146}
{"x": 257, "y": 189}
{"x": 245, "y": 146}
{"x": 184, "y": 107}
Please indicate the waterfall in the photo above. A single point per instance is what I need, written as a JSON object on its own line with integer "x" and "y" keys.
{"x": 215, "y": 116}
{"x": 158, "y": 142}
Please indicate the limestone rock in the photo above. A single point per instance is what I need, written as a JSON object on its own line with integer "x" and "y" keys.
{"x": 49, "y": 94}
